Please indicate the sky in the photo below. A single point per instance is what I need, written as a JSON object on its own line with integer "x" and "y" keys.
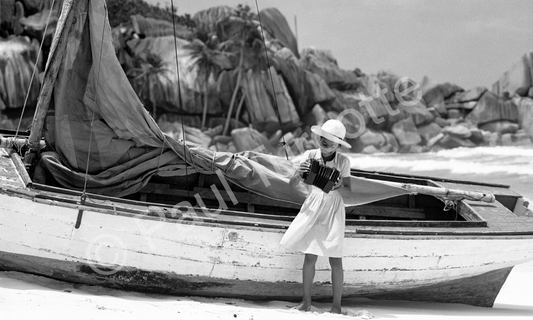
{"x": 469, "y": 43}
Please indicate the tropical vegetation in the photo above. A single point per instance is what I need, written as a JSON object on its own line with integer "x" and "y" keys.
{"x": 147, "y": 76}
{"x": 209, "y": 58}
{"x": 120, "y": 11}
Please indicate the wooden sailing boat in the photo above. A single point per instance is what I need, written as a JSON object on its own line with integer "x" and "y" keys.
{"x": 190, "y": 221}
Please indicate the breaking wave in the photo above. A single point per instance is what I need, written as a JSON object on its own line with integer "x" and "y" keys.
{"x": 478, "y": 161}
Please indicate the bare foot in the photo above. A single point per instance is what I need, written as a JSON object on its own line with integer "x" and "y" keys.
{"x": 337, "y": 310}
{"x": 303, "y": 306}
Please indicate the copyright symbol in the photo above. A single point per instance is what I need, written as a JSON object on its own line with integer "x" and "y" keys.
{"x": 108, "y": 249}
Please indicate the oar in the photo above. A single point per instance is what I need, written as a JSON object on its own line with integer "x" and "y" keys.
{"x": 452, "y": 194}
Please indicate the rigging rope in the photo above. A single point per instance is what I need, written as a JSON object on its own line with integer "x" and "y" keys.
{"x": 83, "y": 197}
{"x": 94, "y": 111}
{"x": 179, "y": 96}
{"x": 272, "y": 82}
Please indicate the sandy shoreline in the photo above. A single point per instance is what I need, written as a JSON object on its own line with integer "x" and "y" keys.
{"x": 25, "y": 296}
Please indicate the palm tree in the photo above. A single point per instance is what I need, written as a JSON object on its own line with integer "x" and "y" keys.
{"x": 147, "y": 77}
{"x": 244, "y": 36}
{"x": 258, "y": 63}
{"x": 17, "y": 63}
{"x": 210, "y": 61}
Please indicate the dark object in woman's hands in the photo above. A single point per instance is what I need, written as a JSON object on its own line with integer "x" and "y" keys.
{"x": 321, "y": 176}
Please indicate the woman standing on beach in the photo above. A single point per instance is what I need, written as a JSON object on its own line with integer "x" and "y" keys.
{"x": 318, "y": 229}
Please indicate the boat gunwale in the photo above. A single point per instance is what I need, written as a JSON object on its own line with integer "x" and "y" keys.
{"x": 157, "y": 211}
{"x": 351, "y": 231}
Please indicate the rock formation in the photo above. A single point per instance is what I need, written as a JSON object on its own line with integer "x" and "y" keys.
{"x": 275, "y": 97}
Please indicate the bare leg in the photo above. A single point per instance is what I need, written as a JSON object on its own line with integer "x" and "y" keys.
{"x": 308, "y": 276}
{"x": 337, "y": 280}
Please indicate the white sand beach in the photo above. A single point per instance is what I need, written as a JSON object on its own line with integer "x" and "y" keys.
{"x": 25, "y": 296}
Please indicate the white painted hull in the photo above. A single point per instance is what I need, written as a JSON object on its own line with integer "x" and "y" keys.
{"x": 248, "y": 259}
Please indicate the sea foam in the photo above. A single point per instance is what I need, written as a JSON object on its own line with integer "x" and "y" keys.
{"x": 481, "y": 161}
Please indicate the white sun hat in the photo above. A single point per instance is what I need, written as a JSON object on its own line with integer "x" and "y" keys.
{"x": 332, "y": 130}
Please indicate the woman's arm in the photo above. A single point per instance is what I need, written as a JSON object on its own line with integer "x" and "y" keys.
{"x": 347, "y": 182}
{"x": 297, "y": 176}
{"x": 342, "y": 182}
{"x": 344, "y": 169}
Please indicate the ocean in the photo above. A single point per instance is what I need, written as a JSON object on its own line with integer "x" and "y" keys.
{"x": 32, "y": 297}
{"x": 512, "y": 166}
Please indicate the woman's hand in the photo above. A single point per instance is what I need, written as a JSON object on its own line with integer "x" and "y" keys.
{"x": 298, "y": 173}
{"x": 304, "y": 167}
{"x": 338, "y": 183}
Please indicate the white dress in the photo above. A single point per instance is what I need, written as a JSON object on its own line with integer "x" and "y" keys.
{"x": 319, "y": 226}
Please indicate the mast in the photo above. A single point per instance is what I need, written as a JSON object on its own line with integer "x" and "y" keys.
{"x": 53, "y": 64}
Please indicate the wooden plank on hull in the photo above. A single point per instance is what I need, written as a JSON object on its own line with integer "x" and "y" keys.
{"x": 417, "y": 224}
{"x": 480, "y": 290}
{"x": 10, "y": 176}
{"x": 248, "y": 198}
{"x": 387, "y": 211}
{"x": 207, "y": 193}
{"x": 20, "y": 167}
{"x": 500, "y": 218}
